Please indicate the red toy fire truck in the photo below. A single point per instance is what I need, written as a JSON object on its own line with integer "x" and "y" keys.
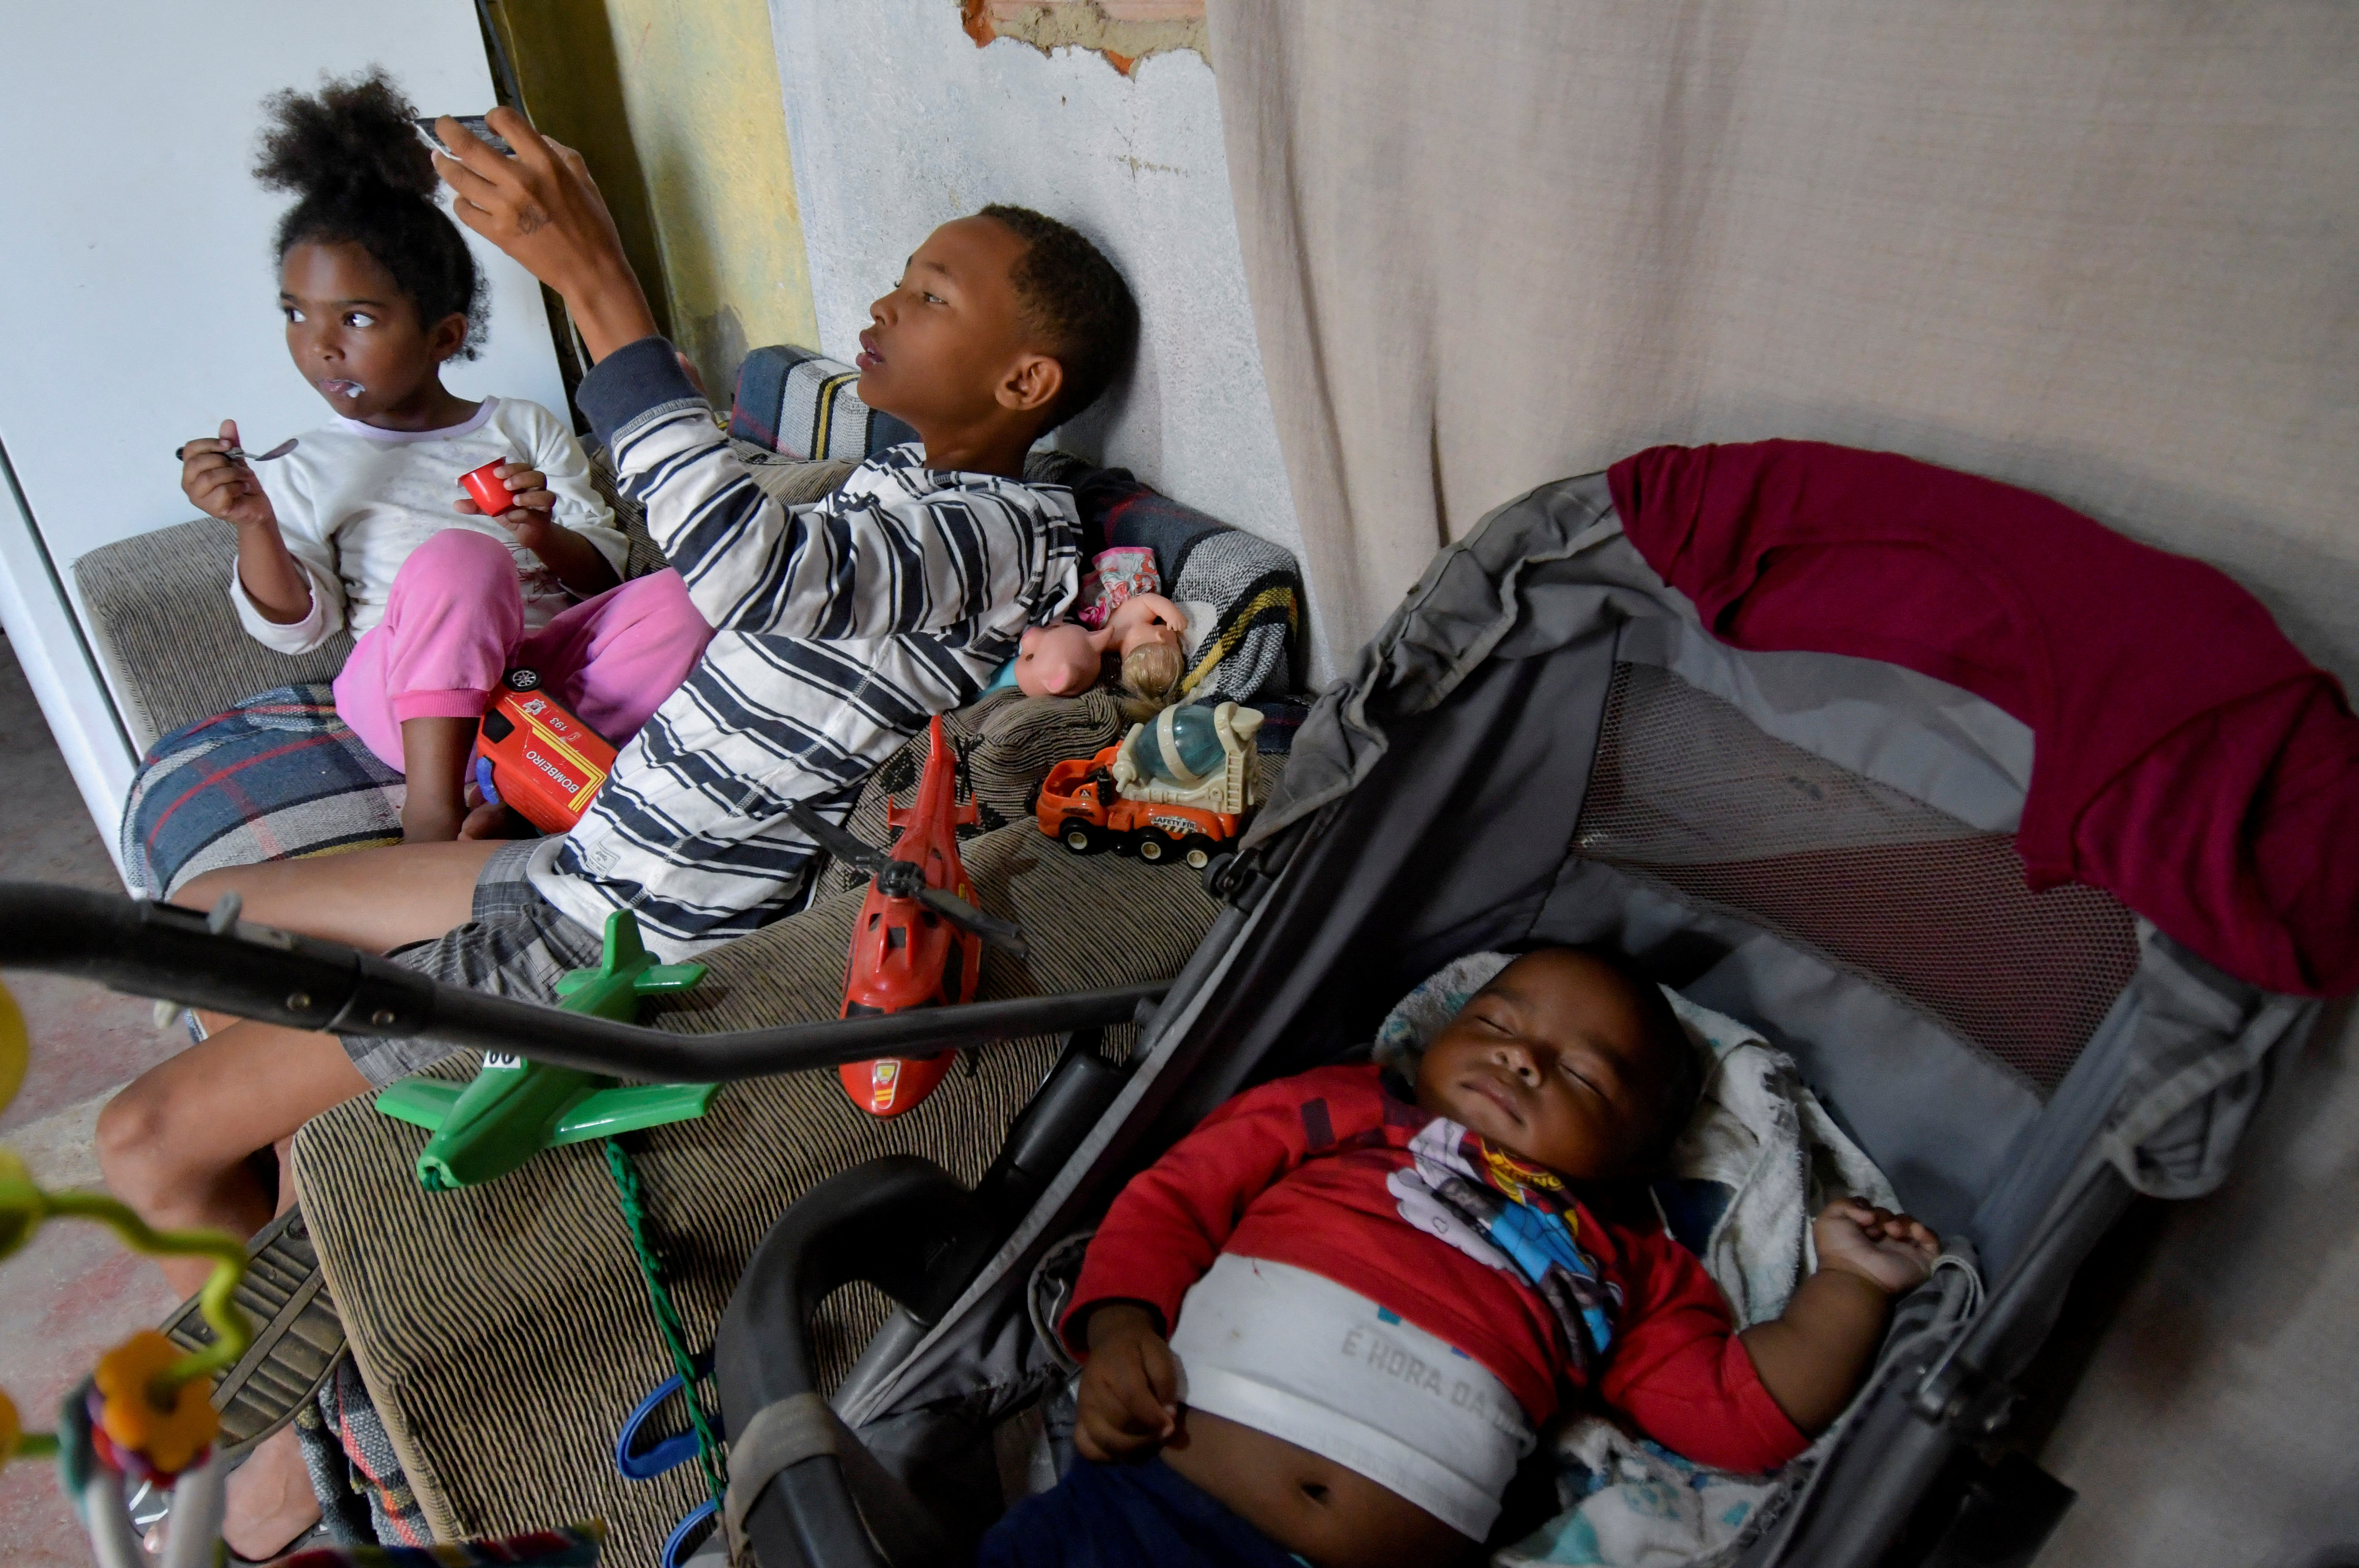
{"x": 536, "y": 756}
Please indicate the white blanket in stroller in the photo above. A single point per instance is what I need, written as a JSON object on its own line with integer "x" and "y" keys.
{"x": 1760, "y": 1136}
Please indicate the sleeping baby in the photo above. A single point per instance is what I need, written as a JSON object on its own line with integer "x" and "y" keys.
{"x": 1329, "y": 1323}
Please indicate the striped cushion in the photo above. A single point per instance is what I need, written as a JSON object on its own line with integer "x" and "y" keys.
{"x": 802, "y": 405}
{"x": 161, "y": 617}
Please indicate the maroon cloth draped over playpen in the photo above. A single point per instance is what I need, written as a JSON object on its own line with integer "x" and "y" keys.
{"x": 2212, "y": 781}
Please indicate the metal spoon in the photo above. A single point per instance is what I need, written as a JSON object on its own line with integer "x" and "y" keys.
{"x": 239, "y": 453}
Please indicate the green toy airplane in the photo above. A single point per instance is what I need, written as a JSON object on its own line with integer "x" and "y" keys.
{"x": 515, "y": 1108}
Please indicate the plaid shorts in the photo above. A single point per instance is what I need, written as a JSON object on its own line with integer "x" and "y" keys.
{"x": 516, "y": 944}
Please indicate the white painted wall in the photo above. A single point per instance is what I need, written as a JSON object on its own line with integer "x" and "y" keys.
{"x": 898, "y": 122}
{"x": 140, "y": 307}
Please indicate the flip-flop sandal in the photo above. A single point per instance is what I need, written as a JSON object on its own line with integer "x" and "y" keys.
{"x": 296, "y": 1337}
{"x": 149, "y": 1508}
{"x": 318, "y": 1535}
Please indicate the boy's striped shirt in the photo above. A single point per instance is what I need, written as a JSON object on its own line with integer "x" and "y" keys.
{"x": 839, "y": 627}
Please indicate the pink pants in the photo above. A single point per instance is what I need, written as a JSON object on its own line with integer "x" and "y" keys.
{"x": 454, "y": 624}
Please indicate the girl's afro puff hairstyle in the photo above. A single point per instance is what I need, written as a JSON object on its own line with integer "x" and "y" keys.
{"x": 352, "y": 156}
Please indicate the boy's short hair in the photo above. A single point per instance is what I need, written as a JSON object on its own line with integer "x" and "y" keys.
{"x": 1076, "y": 302}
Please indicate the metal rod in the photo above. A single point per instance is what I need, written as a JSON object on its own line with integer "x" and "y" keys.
{"x": 573, "y": 1039}
{"x": 67, "y": 605}
{"x": 159, "y": 950}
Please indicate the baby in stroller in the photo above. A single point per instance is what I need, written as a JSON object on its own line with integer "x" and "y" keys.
{"x": 1332, "y": 1319}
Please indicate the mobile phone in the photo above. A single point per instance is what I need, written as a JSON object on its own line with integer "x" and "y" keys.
{"x": 476, "y": 127}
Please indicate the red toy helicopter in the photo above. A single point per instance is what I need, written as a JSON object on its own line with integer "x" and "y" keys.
{"x": 919, "y": 941}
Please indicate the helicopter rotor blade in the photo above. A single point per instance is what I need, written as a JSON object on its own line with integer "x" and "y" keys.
{"x": 850, "y": 851}
{"x": 1003, "y": 934}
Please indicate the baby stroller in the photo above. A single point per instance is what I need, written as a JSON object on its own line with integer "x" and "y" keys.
{"x": 1546, "y": 742}
{"x": 1681, "y": 708}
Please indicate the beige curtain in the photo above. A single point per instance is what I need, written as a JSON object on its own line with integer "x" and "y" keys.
{"x": 2106, "y": 250}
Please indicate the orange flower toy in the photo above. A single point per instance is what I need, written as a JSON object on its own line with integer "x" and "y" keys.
{"x": 146, "y": 1415}
{"x": 142, "y": 1424}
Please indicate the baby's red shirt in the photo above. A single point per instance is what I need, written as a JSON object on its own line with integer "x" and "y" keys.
{"x": 1295, "y": 1173}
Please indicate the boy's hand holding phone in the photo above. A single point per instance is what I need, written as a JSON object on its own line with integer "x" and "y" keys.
{"x": 541, "y": 207}
{"x": 222, "y": 488}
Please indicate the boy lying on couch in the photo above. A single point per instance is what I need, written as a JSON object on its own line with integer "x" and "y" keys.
{"x": 839, "y": 629}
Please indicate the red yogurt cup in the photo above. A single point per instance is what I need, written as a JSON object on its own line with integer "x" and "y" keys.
{"x": 483, "y": 487}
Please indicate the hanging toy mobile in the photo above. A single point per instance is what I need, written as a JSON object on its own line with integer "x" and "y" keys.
{"x": 146, "y": 1414}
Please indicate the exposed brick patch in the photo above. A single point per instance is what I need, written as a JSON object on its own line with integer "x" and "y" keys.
{"x": 1124, "y": 31}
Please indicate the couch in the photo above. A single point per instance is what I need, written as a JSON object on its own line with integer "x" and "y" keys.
{"x": 497, "y": 1337}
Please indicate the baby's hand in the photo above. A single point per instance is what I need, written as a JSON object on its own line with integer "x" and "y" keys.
{"x": 1130, "y": 1389}
{"x": 529, "y": 516}
{"x": 1892, "y": 1252}
{"x": 221, "y": 488}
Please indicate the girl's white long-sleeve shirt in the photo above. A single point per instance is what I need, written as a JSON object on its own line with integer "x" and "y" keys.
{"x": 353, "y": 501}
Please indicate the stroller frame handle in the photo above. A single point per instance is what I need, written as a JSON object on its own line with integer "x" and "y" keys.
{"x": 148, "y": 949}
{"x": 894, "y": 1221}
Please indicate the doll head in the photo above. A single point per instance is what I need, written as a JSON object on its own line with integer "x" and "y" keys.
{"x": 1150, "y": 679}
{"x": 1061, "y": 661}
{"x": 1144, "y": 632}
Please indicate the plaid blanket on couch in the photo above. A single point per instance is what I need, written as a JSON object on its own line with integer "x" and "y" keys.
{"x": 1255, "y": 654}
{"x": 277, "y": 776}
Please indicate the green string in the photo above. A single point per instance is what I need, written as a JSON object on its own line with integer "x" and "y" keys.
{"x": 633, "y": 1200}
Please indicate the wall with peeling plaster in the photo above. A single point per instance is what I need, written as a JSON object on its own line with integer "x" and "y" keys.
{"x": 900, "y": 122}
{"x": 1124, "y": 31}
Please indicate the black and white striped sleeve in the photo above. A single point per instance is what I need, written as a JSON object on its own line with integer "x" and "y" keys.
{"x": 896, "y": 554}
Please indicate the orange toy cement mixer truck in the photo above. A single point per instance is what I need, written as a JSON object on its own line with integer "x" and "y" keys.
{"x": 1179, "y": 787}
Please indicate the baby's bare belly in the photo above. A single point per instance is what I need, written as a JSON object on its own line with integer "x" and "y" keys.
{"x": 1335, "y": 1516}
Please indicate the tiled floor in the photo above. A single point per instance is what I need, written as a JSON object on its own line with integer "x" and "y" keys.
{"x": 73, "y": 1292}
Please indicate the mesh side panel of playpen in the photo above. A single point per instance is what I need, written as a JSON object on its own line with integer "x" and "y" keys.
{"x": 1688, "y": 793}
